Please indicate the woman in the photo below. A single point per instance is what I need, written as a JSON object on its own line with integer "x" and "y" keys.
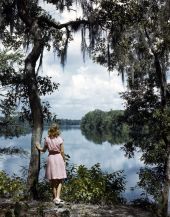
{"x": 55, "y": 170}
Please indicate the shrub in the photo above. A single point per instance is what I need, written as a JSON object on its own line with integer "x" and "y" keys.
{"x": 12, "y": 187}
{"x": 82, "y": 185}
{"x": 93, "y": 186}
{"x": 44, "y": 190}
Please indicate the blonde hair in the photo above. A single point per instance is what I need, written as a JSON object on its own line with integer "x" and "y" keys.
{"x": 54, "y": 130}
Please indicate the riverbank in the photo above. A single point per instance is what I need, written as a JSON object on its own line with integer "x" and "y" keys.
{"x": 8, "y": 208}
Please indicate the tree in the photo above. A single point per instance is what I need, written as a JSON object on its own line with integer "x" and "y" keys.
{"x": 99, "y": 126}
{"x": 137, "y": 43}
{"x": 25, "y": 23}
{"x": 16, "y": 93}
{"x": 132, "y": 36}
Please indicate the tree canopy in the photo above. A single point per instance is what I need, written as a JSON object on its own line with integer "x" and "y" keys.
{"x": 132, "y": 36}
{"x": 138, "y": 45}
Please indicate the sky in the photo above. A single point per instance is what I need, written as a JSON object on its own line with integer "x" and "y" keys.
{"x": 84, "y": 86}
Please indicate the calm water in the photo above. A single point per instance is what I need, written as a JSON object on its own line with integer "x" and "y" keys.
{"x": 81, "y": 151}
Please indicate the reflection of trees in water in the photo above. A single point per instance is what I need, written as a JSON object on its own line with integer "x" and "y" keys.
{"x": 69, "y": 127}
{"x": 151, "y": 180}
{"x": 13, "y": 151}
{"x": 99, "y": 126}
{"x": 16, "y": 126}
{"x": 14, "y": 130}
{"x": 100, "y": 136}
{"x": 144, "y": 134}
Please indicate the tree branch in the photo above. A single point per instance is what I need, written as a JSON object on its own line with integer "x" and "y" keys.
{"x": 51, "y": 23}
{"x": 2, "y": 95}
{"x": 22, "y": 11}
{"x": 160, "y": 73}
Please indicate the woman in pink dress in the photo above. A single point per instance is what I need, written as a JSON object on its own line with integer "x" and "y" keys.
{"x": 55, "y": 170}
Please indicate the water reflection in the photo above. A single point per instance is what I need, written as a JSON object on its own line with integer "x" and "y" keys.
{"x": 81, "y": 151}
{"x": 103, "y": 135}
{"x": 13, "y": 151}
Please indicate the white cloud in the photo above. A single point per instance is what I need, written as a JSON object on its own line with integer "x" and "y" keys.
{"x": 83, "y": 89}
{"x": 83, "y": 86}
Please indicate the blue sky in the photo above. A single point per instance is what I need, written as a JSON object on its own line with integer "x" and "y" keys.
{"x": 83, "y": 86}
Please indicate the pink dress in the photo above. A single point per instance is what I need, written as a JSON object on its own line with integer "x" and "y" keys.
{"x": 55, "y": 163}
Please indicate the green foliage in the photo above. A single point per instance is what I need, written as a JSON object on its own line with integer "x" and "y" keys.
{"x": 149, "y": 126}
{"x": 145, "y": 203}
{"x": 137, "y": 43}
{"x": 132, "y": 36}
{"x": 16, "y": 96}
{"x": 65, "y": 122}
{"x": 82, "y": 185}
{"x": 152, "y": 181}
{"x": 12, "y": 126}
{"x": 100, "y": 126}
{"x": 11, "y": 186}
{"x": 44, "y": 190}
{"x": 93, "y": 186}
{"x": 99, "y": 120}
{"x": 88, "y": 186}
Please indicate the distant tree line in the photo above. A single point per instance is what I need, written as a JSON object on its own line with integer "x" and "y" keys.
{"x": 98, "y": 120}
{"x": 100, "y": 126}
{"x": 16, "y": 125}
{"x": 13, "y": 126}
{"x": 66, "y": 122}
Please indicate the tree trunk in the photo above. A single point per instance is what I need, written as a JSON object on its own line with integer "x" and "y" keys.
{"x": 36, "y": 110}
{"x": 33, "y": 96}
{"x": 163, "y": 92}
{"x": 168, "y": 177}
{"x": 165, "y": 192}
{"x": 163, "y": 206}
{"x": 37, "y": 129}
{"x": 34, "y": 167}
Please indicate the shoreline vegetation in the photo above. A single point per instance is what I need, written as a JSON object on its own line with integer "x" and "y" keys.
{"x": 16, "y": 126}
{"x": 97, "y": 126}
{"x": 100, "y": 126}
{"x": 83, "y": 185}
{"x": 93, "y": 186}
{"x": 85, "y": 188}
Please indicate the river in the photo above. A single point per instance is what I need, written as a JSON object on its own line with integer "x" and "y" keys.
{"x": 81, "y": 151}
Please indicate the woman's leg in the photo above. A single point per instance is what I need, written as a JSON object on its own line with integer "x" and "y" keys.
{"x": 54, "y": 188}
{"x": 59, "y": 186}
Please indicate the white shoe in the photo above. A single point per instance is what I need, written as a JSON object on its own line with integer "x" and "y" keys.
{"x": 58, "y": 201}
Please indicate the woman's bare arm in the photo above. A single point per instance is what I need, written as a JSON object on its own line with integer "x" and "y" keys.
{"x": 62, "y": 151}
{"x": 40, "y": 148}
